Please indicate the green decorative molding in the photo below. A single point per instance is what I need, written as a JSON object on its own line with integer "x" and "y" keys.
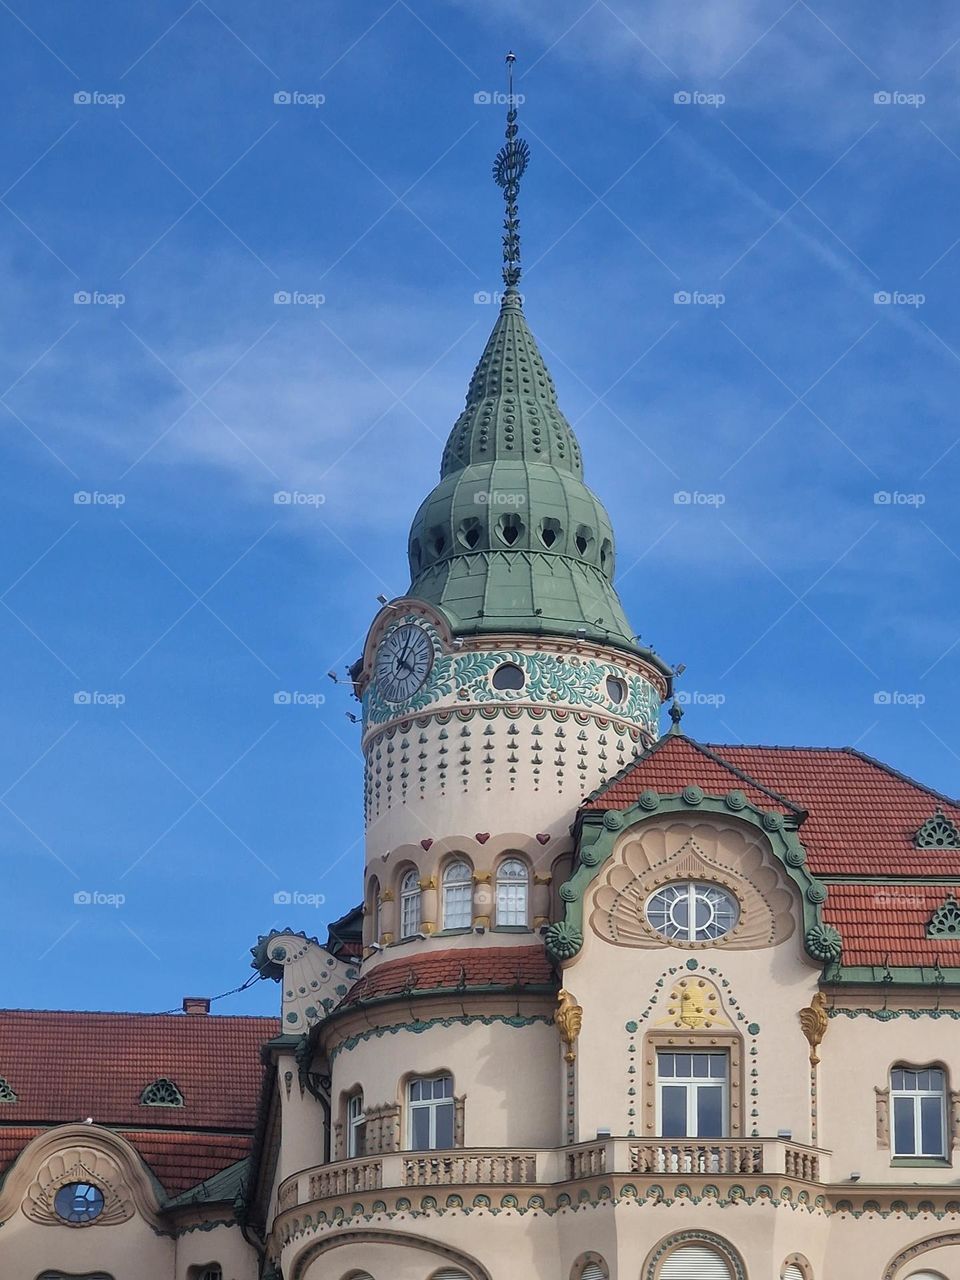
{"x": 598, "y": 832}
{"x": 937, "y": 832}
{"x": 550, "y": 678}
{"x": 945, "y": 921}
{"x": 417, "y": 1028}
{"x": 824, "y": 942}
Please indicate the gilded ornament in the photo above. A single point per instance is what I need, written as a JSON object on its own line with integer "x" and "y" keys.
{"x": 569, "y": 1019}
{"x": 814, "y": 1023}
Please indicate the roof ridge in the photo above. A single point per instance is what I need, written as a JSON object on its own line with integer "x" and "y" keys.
{"x": 747, "y": 777}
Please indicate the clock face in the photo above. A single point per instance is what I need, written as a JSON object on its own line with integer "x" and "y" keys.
{"x": 403, "y": 662}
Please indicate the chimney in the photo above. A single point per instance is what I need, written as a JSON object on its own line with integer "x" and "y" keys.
{"x": 196, "y": 1004}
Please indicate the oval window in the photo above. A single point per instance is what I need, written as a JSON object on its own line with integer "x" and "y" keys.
{"x": 509, "y": 676}
{"x": 616, "y": 689}
{"x": 692, "y": 912}
{"x": 78, "y": 1202}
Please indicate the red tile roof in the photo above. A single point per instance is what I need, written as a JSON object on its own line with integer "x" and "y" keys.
{"x": 507, "y": 967}
{"x": 861, "y": 817}
{"x": 887, "y": 924}
{"x": 67, "y": 1066}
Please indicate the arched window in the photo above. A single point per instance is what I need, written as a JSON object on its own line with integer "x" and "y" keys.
{"x": 919, "y": 1103}
{"x": 410, "y": 904}
{"x": 593, "y": 1271}
{"x": 430, "y": 1113}
{"x": 374, "y": 909}
{"x": 449, "y": 1273}
{"x": 695, "y": 1262}
{"x": 356, "y": 1126}
{"x": 457, "y": 895}
{"x": 792, "y": 1272}
{"x": 925, "y": 1275}
{"x": 513, "y": 882}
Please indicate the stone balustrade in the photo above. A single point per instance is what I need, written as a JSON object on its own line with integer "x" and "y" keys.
{"x": 486, "y": 1167}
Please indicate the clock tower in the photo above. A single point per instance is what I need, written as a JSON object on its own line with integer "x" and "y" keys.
{"x": 507, "y": 683}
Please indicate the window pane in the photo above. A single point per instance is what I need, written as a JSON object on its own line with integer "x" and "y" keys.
{"x": 673, "y": 1111}
{"x": 709, "y": 1111}
{"x": 931, "y": 1127}
{"x": 903, "y": 1137}
{"x": 936, "y": 1079}
{"x": 416, "y": 1090}
{"x": 420, "y": 1128}
{"x": 701, "y": 1065}
{"x": 444, "y": 1113}
{"x": 457, "y": 906}
{"x": 718, "y": 1066}
{"x": 665, "y": 1064}
{"x": 896, "y": 1078}
{"x": 684, "y": 1065}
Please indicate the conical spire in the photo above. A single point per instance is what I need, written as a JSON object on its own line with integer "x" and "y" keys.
{"x": 511, "y": 539}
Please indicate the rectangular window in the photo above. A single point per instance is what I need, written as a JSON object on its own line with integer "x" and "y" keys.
{"x": 692, "y": 1095}
{"x": 919, "y": 1112}
{"x": 458, "y": 905}
{"x": 430, "y": 1103}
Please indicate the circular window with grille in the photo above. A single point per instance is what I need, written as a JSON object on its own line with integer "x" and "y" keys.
{"x": 691, "y": 911}
{"x": 78, "y": 1202}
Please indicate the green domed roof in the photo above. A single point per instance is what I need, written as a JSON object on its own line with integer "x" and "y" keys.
{"x": 511, "y": 539}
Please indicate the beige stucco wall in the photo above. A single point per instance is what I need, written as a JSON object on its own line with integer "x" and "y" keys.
{"x": 509, "y": 1076}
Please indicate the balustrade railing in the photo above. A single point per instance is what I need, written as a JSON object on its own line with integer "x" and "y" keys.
{"x": 697, "y": 1157}
{"x": 585, "y": 1162}
{"x": 341, "y": 1179}
{"x": 801, "y": 1164}
{"x": 501, "y": 1168}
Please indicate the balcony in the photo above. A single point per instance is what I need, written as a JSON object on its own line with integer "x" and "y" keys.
{"x": 496, "y": 1167}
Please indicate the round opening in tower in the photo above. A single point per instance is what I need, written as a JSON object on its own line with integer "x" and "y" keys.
{"x": 616, "y": 690}
{"x": 509, "y": 676}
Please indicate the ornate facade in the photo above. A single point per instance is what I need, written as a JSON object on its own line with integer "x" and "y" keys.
{"x": 617, "y": 1005}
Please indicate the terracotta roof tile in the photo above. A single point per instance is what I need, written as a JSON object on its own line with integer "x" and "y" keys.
{"x": 66, "y": 1066}
{"x": 887, "y": 923}
{"x": 473, "y": 967}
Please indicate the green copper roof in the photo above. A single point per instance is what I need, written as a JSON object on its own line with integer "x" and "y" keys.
{"x": 511, "y": 539}
{"x": 511, "y": 410}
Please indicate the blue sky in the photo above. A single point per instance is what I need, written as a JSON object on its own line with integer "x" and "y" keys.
{"x": 735, "y": 153}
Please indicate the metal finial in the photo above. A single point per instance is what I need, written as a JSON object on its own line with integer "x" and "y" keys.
{"x": 676, "y": 715}
{"x": 508, "y": 169}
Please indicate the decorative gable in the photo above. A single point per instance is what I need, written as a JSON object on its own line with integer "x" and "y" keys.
{"x": 162, "y": 1093}
{"x": 945, "y": 921}
{"x": 937, "y": 832}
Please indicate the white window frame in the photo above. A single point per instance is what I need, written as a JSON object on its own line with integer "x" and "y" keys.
{"x": 692, "y": 1085}
{"x": 693, "y": 889}
{"x": 457, "y": 895}
{"x": 356, "y": 1124}
{"x": 915, "y": 1096}
{"x": 410, "y": 904}
{"x": 513, "y": 894}
{"x": 432, "y": 1105}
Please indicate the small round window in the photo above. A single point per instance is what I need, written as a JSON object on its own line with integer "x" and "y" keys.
{"x": 78, "y": 1202}
{"x": 509, "y": 676}
{"x": 692, "y": 912}
{"x": 616, "y": 690}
